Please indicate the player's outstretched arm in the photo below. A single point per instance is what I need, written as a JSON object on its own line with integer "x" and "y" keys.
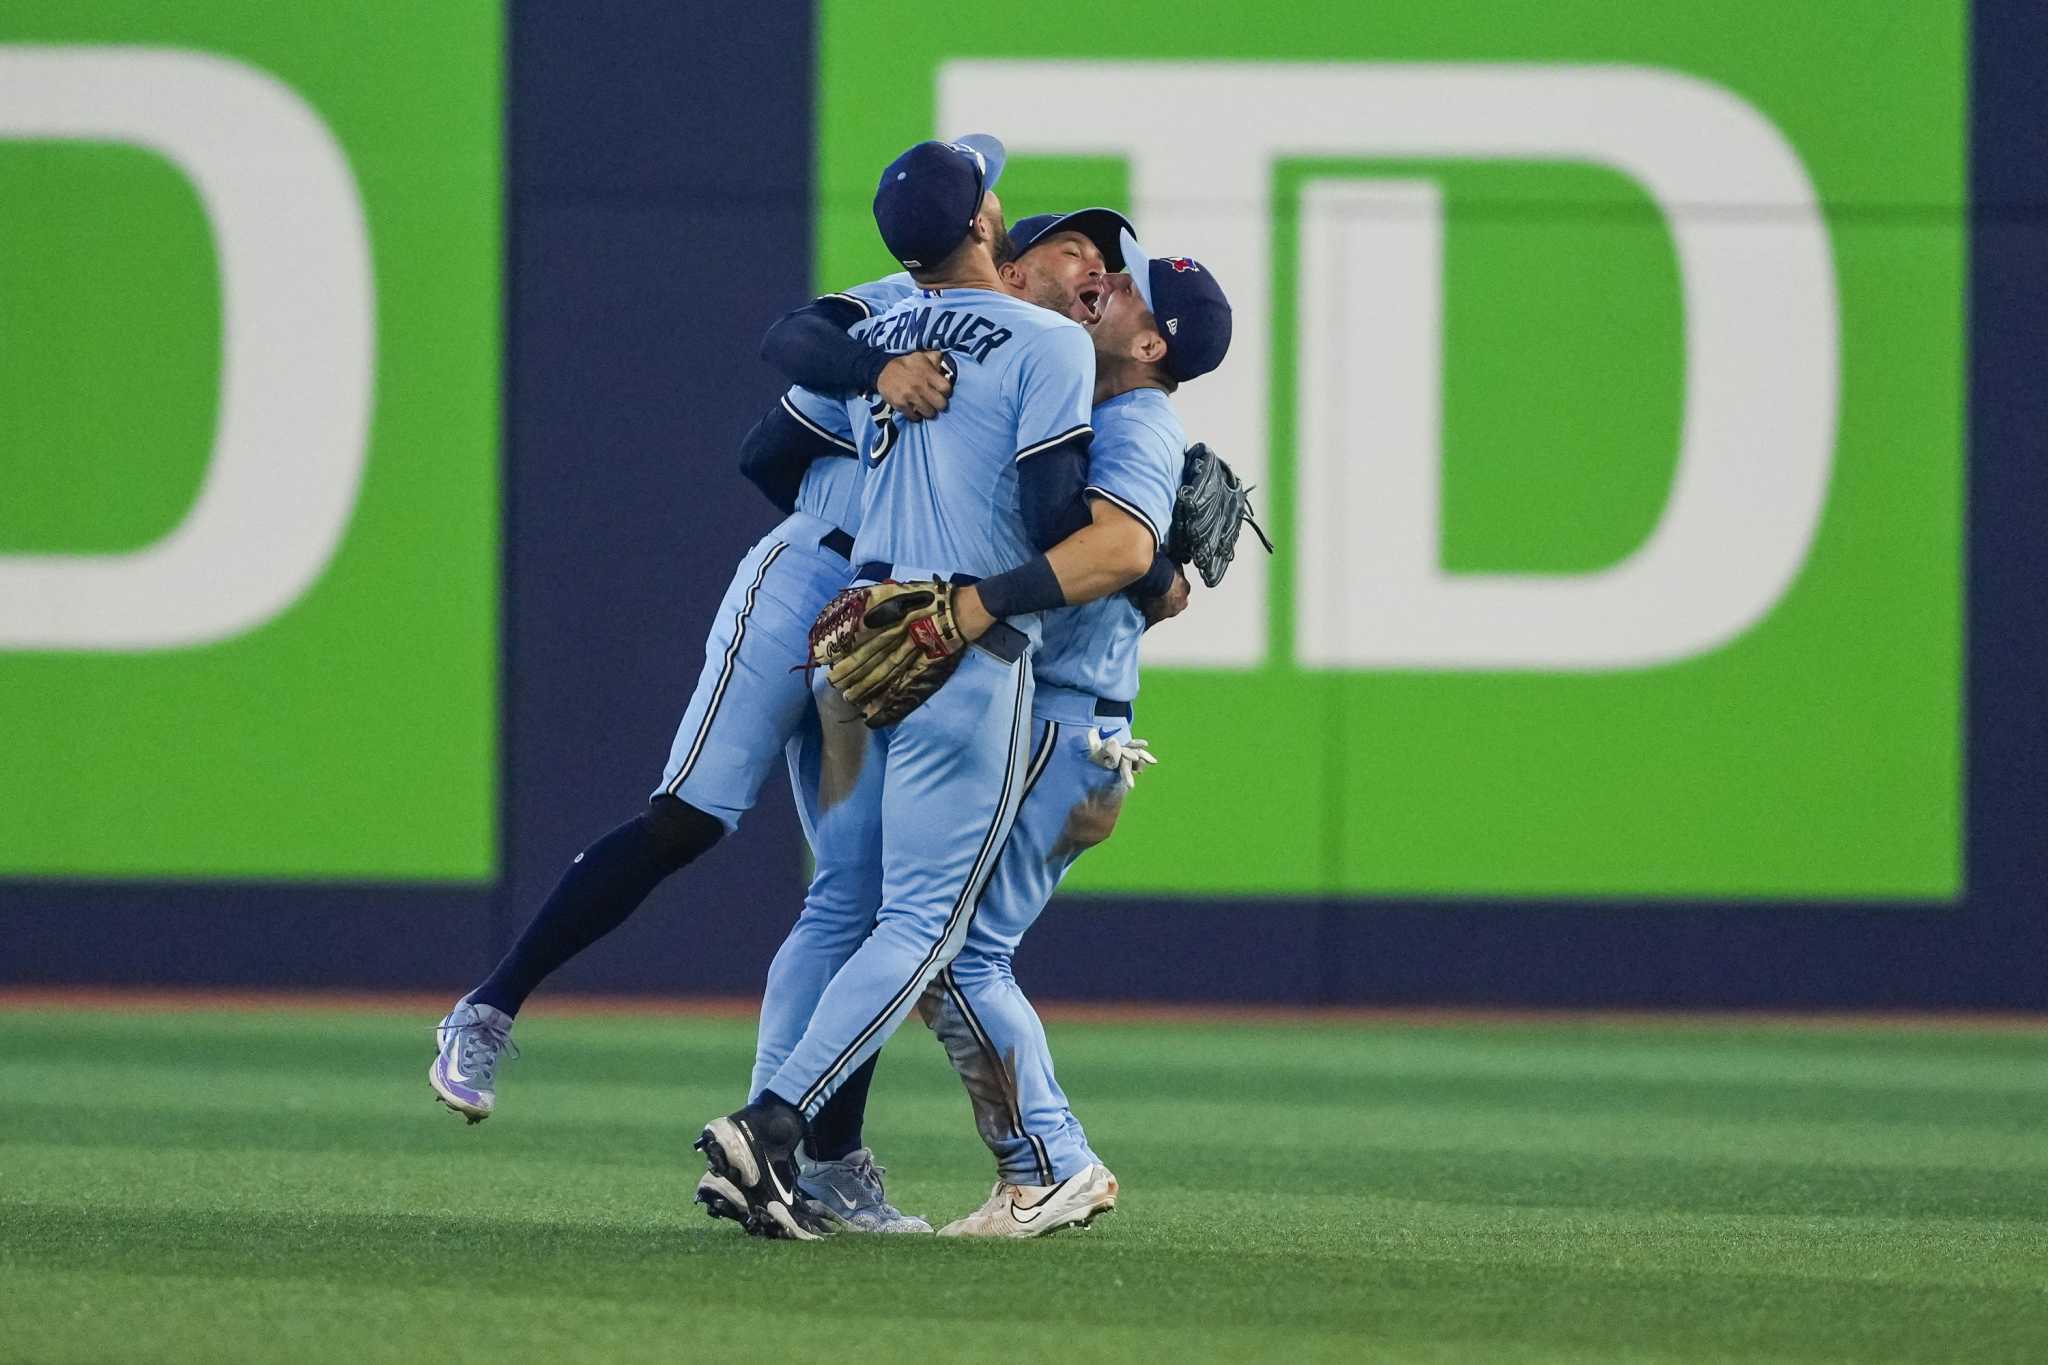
{"x": 1106, "y": 556}
{"x": 812, "y": 347}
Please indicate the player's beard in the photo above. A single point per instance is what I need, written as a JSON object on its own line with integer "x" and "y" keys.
{"x": 1045, "y": 292}
{"x": 1052, "y": 295}
{"x": 1000, "y": 248}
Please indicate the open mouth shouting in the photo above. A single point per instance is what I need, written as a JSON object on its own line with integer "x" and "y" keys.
{"x": 1087, "y": 309}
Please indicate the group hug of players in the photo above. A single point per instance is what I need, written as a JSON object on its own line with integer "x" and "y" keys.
{"x": 979, "y": 468}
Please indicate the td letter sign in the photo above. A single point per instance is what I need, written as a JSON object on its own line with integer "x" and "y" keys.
{"x": 1600, "y": 372}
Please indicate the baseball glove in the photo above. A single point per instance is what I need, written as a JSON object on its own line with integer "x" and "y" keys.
{"x": 1212, "y": 507}
{"x": 888, "y": 646}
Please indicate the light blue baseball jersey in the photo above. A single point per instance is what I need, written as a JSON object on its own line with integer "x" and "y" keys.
{"x": 878, "y": 296}
{"x": 941, "y": 495}
{"x": 1134, "y": 461}
{"x": 830, "y": 489}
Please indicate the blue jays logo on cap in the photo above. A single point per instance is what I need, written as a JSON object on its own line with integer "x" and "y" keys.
{"x": 1181, "y": 264}
{"x": 928, "y": 197}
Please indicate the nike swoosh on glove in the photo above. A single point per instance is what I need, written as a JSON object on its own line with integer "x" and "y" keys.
{"x": 1124, "y": 757}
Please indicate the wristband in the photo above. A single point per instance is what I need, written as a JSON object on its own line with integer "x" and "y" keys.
{"x": 1157, "y": 579}
{"x": 1027, "y": 588}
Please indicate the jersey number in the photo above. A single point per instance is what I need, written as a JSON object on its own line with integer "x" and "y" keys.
{"x": 889, "y": 423}
{"x": 888, "y": 431}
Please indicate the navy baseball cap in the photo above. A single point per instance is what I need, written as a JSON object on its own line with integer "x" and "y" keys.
{"x": 1189, "y": 305}
{"x": 927, "y": 198}
{"x": 1104, "y": 227}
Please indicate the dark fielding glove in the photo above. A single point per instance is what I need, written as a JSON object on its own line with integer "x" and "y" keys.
{"x": 1210, "y": 510}
{"x": 888, "y": 646}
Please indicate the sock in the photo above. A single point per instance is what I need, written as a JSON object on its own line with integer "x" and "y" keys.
{"x": 778, "y": 1123}
{"x": 835, "y": 1133}
{"x": 599, "y": 890}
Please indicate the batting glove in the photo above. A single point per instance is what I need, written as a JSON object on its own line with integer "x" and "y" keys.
{"x": 1124, "y": 757}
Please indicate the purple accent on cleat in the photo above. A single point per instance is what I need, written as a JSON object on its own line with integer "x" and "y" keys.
{"x": 470, "y": 1042}
{"x": 455, "y": 1089}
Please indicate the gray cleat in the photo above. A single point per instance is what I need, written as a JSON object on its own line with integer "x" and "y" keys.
{"x": 464, "y": 1072}
{"x": 849, "y": 1191}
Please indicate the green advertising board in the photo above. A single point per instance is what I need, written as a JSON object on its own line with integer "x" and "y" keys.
{"x": 1601, "y": 369}
{"x": 248, "y": 443}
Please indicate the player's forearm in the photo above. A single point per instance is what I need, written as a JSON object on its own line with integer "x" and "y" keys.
{"x": 1112, "y": 552}
{"x": 812, "y": 347}
{"x": 1102, "y": 558}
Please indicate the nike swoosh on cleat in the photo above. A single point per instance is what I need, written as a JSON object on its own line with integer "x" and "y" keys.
{"x": 761, "y": 1159}
{"x": 1037, "y": 1206}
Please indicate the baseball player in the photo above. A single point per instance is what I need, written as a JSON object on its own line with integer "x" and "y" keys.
{"x": 971, "y": 511}
{"x": 741, "y": 718}
{"x": 1058, "y": 262}
{"x": 1162, "y": 324}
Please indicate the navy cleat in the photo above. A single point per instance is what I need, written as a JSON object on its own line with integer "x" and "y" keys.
{"x": 464, "y": 1072}
{"x": 753, "y": 1151}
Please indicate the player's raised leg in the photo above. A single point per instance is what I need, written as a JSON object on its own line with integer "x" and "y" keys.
{"x": 746, "y": 704}
{"x": 602, "y": 886}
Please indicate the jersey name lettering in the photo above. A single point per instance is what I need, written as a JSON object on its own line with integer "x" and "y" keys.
{"x": 955, "y": 330}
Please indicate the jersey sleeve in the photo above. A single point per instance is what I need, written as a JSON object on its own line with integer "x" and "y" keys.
{"x": 878, "y": 296}
{"x": 1055, "y": 380}
{"x": 1137, "y": 466}
{"x": 823, "y": 416}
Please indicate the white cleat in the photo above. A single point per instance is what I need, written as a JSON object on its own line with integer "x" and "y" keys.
{"x": 1035, "y": 1210}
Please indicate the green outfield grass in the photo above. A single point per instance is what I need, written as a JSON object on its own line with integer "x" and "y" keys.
{"x": 279, "y": 1187}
